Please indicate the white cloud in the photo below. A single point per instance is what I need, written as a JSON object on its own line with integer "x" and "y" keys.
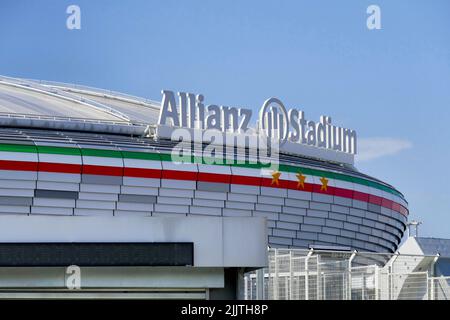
{"x": 373, "y": 148}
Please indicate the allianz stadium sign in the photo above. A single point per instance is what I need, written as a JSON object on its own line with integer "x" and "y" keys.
{"x": 274, "y": 121}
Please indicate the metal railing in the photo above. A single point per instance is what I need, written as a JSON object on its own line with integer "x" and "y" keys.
{"x": 57, "y": 92}
{"x": 110, "y": 93}
{"x": 328, "y": 275}
{"x": 60, "y": 118}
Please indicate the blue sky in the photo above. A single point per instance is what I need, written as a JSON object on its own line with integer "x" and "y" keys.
{"x": 391, "y": 85}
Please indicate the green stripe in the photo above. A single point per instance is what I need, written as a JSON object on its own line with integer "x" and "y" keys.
{"x": 141, "y": 155}
{"x": 17, "y": 148}
{"x": 101, "y": 153}
{"x": 59, "y": 150}
{"x": 168, "y": 157}
{"x": 165, "y": 156}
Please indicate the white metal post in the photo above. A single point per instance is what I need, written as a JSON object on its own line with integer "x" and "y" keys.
{"x": 290, "y": 277}
{"x": 363, "y": 293}
{"x": 307, "y": 273}
{"x": 344, "y": 287}
{"x": 246, "y": 287}
{"x": 432, "y": 274}
{"x": 275, "y": 279}
{"x": 390, "y": 275}
{"x": 376, "y": 279}
{"x": 286, "y": 288}
{"x": 431, "y": 295}
{"x": 260, "y": 284}
{"x": 350, "y": 260}
{"x": 432, "y": 268}
{"x": 318, "y": 287}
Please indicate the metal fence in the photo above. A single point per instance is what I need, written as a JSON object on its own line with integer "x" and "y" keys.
{"x": 330, "y": 275}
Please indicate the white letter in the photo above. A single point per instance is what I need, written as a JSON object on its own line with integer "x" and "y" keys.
{"x": 213, "y": 120}
{"x": 168, "y": 109}
{"x": 247, "y": 115}
{"x": 374, "y": 20}
{"x": 230, "y": 117}
{"x": 182, "y": 152}
{"x": 74, "y": 279}
{"x": 213, "y": 152}
{"x": 74, "y": 20}
{"x": 349, "y": 141}
{"x": 294, "y": 135}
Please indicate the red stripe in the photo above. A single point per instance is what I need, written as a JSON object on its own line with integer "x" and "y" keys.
{"x": 252, "y": 181}
{"x": 317, "y": 188}
{"x": 194, "y": 176}
{"x": 59, "y": 167}
{"x": 375, "y": 199}
{"x": 179, "y": 175}
{"x": 345, "y": 193}
{"x": 396, "y": 206}
{"x": 269, "y": 182}
{"x": 142, "y": 173}
{"x": 386, "y": 203}
{"x": 102, "y": 170}
{"x": 361, "y": 196}
{"x": 307, "y": 187}
{"x": 213, "y": 177}
{"x": 18, "y": 165}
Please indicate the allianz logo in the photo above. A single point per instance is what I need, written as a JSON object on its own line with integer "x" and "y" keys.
{"x": 274, "y": 121}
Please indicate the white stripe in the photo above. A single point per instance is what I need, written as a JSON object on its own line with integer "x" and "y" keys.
{"x": 344, "y": 184}
{"x": 375, "y": 191}
{"x": 103, "y": 161}
{"x": 59, "y": 158}
{"x": 168, "y": 165}
{"x": 139, "y": 163}
{"x": 361, "y": 188}
{"x": 18, "y": 156}
{"x": 211, "y": 168}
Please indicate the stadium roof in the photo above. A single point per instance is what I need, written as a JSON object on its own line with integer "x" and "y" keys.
{"x": 50, "y": 105}
{"x": 58, "y": 109}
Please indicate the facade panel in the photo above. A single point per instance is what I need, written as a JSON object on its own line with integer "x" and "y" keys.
{"x": 108, "y": 179}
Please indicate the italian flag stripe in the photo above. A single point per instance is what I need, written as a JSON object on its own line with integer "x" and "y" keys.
{"x": 18, "y": 165}
{"x": 59, "y": 167}
{"x": 255, "y": 180}
{"x": 166, "y": 157}
{"x": 142, "y": 173}
{"x": 102, "y": 170}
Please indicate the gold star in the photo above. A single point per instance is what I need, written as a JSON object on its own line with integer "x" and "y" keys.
{"x": 275, "y": 177}
{"x": 324, "y": 184}
{"x": 301, "y": 180}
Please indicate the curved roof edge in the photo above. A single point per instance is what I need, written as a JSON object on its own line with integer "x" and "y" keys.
{"x": 71, "y": 124}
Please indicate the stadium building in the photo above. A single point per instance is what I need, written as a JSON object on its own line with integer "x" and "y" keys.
{"x": 87, "y": 179}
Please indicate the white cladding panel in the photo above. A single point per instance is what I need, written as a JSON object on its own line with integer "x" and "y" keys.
{"x": 217, "y": 240}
